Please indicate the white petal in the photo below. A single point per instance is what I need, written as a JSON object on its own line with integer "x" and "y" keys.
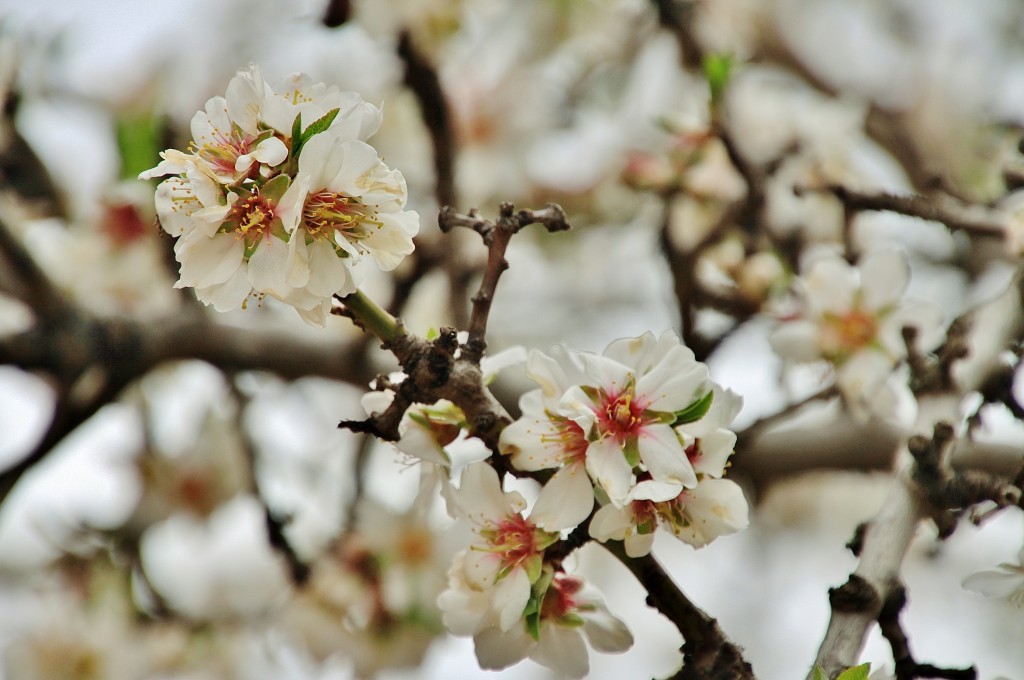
{"x": 208, "y": 261}
{"x": 606, "y": 633}
{"x": 509, "y": 598}
{"x": 995, "y": 583}
{"x": 268, "y": 267}
{"x": 884, "y": 275}
{"x": 228, "y": 295}
{"x": 497, "y": 650}
{"x": 481, "y": 498}
{"x": 638, "y": 545}
{"x": 664, "y": 456}
{"x": 717, "y": 507}
{"x": 565, "y": 501}
{"x": 715, "y": 449}
{"x": 608, "y": 467}
{"x": 796, "y": 340}
{"x": 830, "y": 285}
{"x": 532, "y": 443}
{"x": 675, "y": 383}
{"x": 610, "y": 523}
{"x": 562, "y": 649}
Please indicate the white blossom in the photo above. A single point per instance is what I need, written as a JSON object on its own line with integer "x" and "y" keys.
{"x": 853, "y": 317}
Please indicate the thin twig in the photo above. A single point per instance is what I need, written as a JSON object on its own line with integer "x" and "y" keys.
{"x": 707, "y": 652}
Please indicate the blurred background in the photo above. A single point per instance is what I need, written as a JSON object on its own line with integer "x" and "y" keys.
{"x": 147, "y": 441}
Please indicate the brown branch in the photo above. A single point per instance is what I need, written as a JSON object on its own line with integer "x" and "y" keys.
{"x": 707, "y": 652}
{"x": 421, "y": 78}
{"x": 934, "y": 208}
{"x": 906, "y": 667}
{"x": 496, "y": 235}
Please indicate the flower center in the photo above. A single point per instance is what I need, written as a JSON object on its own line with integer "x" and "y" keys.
{"x": 252, "y": 214}
{"x": 569, "y": 437}
{"x": 559, "y": 599}
{"x": 222, "y": 153}
{"x": 844, "y": 334}
{"x": 514, "y": 540}
{"x": 327, "y": 213}
{"x": 621, "y": 416}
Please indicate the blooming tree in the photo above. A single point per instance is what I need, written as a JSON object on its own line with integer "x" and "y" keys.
{"x": 844, "y": 268}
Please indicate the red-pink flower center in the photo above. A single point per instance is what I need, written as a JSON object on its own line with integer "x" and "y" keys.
{"x": 560, "y": 599}
{"x": 621, "y": 416}
{"x": 514, "y": 540}
{"x": 570, "y": 438}
{"x": 328, "y": 212}
{"x": 222, "y": 153}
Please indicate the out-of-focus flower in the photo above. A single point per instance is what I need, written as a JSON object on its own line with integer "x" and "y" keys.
{"x": 280, "y": 195}
{"x": 373, "y": 596}
{"x": 853, "y": 317}
{"x": 1006, "y": 581}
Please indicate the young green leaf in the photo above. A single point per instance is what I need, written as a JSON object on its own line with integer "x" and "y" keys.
{"x": 695, "y": 411}
{"x": 319, "y": 125}
{"x": 856, "y": 672}
{"x": 717, "y": 70}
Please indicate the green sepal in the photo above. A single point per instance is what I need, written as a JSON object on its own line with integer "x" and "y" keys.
{"x": 275, "y": 188}
{"x": 856, "y": 672}
{"x": 533, "y": 565}
{"x": 695, "y": 411}
{"x": 571, "y": 620}
{"x": 531, "y": 616}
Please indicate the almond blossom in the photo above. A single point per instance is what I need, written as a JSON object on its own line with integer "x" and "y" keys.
{"x": 568, "y": 614}
{"x": 853, "y": 317}
{"x": 496, "y": 573}
{"x": 613, "y": 416}
{"x": 715, "y": 507}
{"x": 279, "y": 195}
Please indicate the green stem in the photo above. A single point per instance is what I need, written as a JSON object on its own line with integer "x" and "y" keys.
{"x": 372, "y": 317}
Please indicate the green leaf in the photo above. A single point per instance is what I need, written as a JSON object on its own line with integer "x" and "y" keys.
{"x": 819, "y": 673}
{"x": 856, "y": 672}
{"x": 293, "y": 153}
{"x": 138, "y": 142}
{"x": 319, "y": 125}
{"x": 695, "y": 411}
{"x": 717, "y": 70}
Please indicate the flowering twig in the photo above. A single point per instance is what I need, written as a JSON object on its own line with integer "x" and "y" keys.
{"x": 496, "y": 236}
{"x": 707, "y": 652}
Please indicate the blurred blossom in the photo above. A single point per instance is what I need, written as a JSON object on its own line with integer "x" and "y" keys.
{"x": 853, "y": 318}
{"x": 372, "y": 597}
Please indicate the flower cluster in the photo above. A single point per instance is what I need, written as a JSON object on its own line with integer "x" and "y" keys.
{"x": 854, "y": 317}
{"x": 279, "y": 194}
{"x": 643, "y": 430}
{"x": 503, "y": 593}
